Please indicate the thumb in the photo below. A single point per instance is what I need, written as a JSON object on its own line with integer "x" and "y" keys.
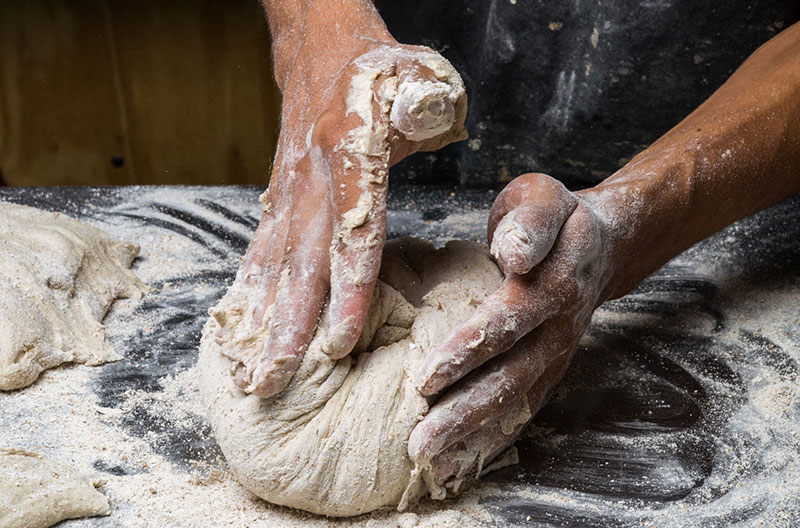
{"x": 430, "y": 98}
{"x": 526, "y": 234}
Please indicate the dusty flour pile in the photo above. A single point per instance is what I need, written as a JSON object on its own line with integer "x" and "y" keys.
{"x": 146, "y": 489}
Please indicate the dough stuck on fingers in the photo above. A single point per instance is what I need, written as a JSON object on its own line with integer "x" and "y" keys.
{"x": 38, "y": 493}
{"x": 58, "y": 278}
{"x": 335, "y": 441}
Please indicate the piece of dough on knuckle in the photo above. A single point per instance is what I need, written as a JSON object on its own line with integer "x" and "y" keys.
{"x": 335, "y": 442}
{"x": 58, "y": 278}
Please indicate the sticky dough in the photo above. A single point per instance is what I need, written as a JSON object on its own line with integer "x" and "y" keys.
{"x": 37, "y": 493}
{"x": 335, "y": 442}
{"x": 58, "y": 277}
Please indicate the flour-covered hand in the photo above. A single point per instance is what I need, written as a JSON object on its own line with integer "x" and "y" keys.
{"x": 735, "y": 154}
{"x": 498, "y": 367}
{"x": 344, "y": 122}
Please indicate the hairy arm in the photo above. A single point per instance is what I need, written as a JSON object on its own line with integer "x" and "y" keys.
{"x": 328, "y": 31}
{"x": 735, "y": 154}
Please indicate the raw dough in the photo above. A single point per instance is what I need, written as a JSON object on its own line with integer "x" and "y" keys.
{"x": 58, "y": 277}
{"x": 335, "y": 441}
{"x": 37, "y": 493}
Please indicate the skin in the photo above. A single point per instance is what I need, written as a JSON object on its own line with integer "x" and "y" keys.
{"x": 563, "y": 253}
{"x": 737, "y": 153}
{"x": 301, "y": 252}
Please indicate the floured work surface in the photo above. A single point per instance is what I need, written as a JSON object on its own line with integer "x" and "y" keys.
{"x": 682, "y": 406}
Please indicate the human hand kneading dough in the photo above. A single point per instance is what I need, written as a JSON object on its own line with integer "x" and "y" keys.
{"x": 504, "y": 360}
{"x": 354, "y": 103}
{"x": 566, "y": 253}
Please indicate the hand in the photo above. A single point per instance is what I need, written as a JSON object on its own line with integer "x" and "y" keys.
{"x": 499, "y": 366}
{"x": 735, "y": 154}
{"x": 346, "y": 117}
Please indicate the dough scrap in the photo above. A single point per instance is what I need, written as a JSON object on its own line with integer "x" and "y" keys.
{"x": 58, "y": 278}
{"x": 37, "y": 493}
{"x": 335, "y": 441}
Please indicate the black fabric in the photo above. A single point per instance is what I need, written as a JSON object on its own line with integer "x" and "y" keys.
{"x": 575, "y": 88}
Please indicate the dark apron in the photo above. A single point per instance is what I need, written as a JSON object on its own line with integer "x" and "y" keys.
{"x": 575, "y": 88}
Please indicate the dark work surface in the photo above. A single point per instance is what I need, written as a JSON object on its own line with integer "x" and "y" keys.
{"x": 681, "y": 407}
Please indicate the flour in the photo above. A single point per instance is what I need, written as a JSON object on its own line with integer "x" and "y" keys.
{"x": 335, "y": 442}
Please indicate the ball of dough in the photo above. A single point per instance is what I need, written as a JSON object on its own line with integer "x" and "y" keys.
{"x": 335, "y": 441}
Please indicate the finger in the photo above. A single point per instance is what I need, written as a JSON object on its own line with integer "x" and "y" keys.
{"x": 537, "y": 189}
{"x": 253, "y": 261}
{"x": 300, "y": 294}
{"x": 355, "y": 263}
{"x": 525, "y": 236}
{"x": 358, "y": 197}
{"x": 508, "y": 314}
{"x": 489, "y": 392}
{"x": 471, "y": 454}
{"x": 424, "y": 106}
{"x": 266, "y": 282}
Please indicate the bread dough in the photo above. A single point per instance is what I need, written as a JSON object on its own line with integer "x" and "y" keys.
{"x": 58, "y": 277}
{"x": 335, "y": 442}
{"x": 37, "y": 493}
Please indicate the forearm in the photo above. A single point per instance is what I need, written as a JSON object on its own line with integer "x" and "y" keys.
{"x": 737, "y": 153}
{"x": 330, "y": 29}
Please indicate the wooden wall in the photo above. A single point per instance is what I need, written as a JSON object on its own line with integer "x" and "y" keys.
{"x": 117, "y": 92}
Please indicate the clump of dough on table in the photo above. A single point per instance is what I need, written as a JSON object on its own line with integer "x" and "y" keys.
{"x": 335, "y": 442}
{"x": 37, "y": 493}
{"x": 58, "y": 278}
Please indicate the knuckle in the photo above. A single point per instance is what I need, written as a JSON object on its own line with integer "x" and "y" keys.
{"x": 521, "y": 184}
{"x": 325, "y": 133}
{"x": 531, "y": 178}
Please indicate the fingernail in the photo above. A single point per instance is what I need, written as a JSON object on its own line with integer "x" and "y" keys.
{"x": 272, "y": 376}
{"x": 427, "y": 381}
{"x": 425, "y": 441}
{"x": 443, "y": 366}
{"x": 421, "y": 375}
{"x": 269, "y": 384}
{"x": 420, "y": 378}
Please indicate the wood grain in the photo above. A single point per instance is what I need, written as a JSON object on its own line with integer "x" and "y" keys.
{"x": 109, "y": 92}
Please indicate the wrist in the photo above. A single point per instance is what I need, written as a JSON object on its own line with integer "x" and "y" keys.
{"x": 644, "y": 212}
{"x": 319, "y": 37}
